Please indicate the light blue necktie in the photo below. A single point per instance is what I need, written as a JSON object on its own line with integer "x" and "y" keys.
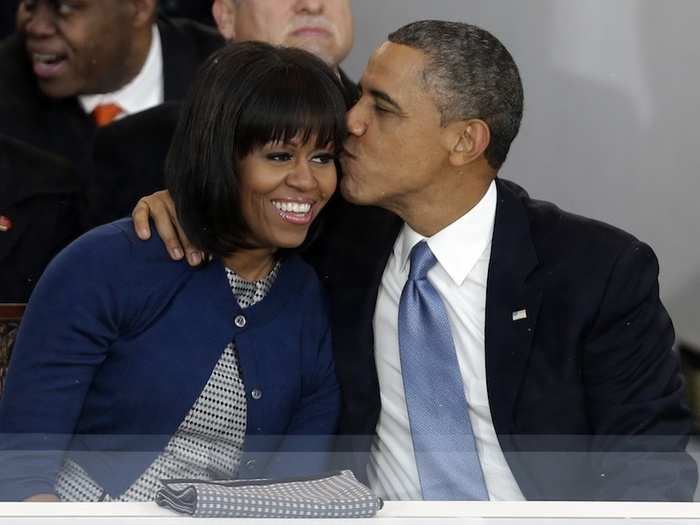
{"x": 443, "y": 441}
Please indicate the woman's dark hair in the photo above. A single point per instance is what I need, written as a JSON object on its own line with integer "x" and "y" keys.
{"x": 245, "y": 95}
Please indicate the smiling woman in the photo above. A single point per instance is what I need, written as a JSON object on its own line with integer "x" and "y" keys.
{"x": 130, "y": 369}
{"x": 257, "y": 146}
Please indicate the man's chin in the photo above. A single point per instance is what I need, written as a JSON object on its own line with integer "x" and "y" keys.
{"x": 319, "y": 48}
{"x": 56, "y": 89}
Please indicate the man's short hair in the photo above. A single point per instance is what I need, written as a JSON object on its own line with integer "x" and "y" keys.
{"x": 246, "y": 95}
{"x": 470, "y": 74}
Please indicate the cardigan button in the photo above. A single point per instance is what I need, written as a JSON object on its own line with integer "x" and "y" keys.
{"x": 250, "y": 464}
{"x": 256, "y": 394}
{"x": 240, "y": 321}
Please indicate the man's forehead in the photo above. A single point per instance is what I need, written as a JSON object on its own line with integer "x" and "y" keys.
{"x": 393, "y": 64}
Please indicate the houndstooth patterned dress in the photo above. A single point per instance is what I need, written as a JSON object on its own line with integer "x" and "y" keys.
{"x": 208, "y": 443}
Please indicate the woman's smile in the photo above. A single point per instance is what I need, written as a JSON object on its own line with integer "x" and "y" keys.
{"x": 294, "y": 211}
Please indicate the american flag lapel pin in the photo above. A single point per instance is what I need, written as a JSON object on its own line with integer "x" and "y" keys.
{"x": 519, "y": 315}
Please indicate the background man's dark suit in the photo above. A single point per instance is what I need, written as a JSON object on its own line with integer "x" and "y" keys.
{"x": 61, "y": 126}
{"x": 41, "y": 195}
{"x": 589, "y": 365}
{"x": 7, "y": 17}
{"x": 192, "y": 9}
{"x": 129, "y": 157}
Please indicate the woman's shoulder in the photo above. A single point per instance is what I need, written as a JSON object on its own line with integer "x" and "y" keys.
{"x": 114, "y": 249}
{"x": 110, "y": 267}
{"x": 118, "y": 241}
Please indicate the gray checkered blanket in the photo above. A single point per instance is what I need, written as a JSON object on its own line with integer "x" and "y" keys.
{"x": 334, "y": 495}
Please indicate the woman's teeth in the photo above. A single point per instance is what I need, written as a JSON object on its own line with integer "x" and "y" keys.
{"x": 292, "y": 207}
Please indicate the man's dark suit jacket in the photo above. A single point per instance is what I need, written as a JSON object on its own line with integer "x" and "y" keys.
{"x": 585, "y": 393}
{"x": 129, "y": 157}
{"x": 41, "y": 195}
{"x": 60, "y": 126}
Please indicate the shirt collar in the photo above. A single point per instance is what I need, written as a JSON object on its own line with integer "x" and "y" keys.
{"x": 144, "y": 91}
{"x": 458, "y": 246}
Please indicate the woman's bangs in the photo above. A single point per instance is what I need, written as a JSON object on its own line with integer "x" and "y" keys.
{"x": 299, "y": 105}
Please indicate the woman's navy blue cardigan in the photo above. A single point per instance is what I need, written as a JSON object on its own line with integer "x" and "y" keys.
{"x": 118, "y": 342}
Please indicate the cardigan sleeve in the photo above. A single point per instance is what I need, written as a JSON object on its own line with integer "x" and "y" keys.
{"x": 306, "y": 447}
{"x": 72, "y": 318}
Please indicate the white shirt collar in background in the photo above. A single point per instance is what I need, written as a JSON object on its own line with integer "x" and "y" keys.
{"x": 143, "y": 92}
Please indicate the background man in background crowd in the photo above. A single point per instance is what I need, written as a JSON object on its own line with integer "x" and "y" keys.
{"x": 322, "y": 27}
{"x": 129, "y": 155}
{"x": 70, "y": 67}
{"x": 488, "y": 345}
{"x": 73, "y": 66}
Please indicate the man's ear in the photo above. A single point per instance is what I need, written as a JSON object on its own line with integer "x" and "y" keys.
{"x": 144, "y": 13}
{"x": 224, "y": 12}
{"x": 467, "y": 140}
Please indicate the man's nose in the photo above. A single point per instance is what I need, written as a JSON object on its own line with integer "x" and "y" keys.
{"x": 311, "y": 7}
{"x": 41, "y": 21}
{"x": 356, "y": 120}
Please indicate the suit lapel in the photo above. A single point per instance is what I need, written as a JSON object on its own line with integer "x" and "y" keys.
{"x": 512, "y": 305}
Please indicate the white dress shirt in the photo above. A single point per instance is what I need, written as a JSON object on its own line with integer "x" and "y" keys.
{"x": 463, "y": 250}
{"x": 143, "y": 92}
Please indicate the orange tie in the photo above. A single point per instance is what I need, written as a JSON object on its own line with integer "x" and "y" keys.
{"x": 105, "y": 113}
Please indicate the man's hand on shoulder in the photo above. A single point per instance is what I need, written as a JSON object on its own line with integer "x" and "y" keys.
{"x": 160, "y": 208}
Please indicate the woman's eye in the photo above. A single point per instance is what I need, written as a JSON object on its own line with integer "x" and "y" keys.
{"x": 279, "y": 156}
{"x": 64, "y": 8}
{"x": 323, "y": 158}
{"x": 380, "y": 109}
